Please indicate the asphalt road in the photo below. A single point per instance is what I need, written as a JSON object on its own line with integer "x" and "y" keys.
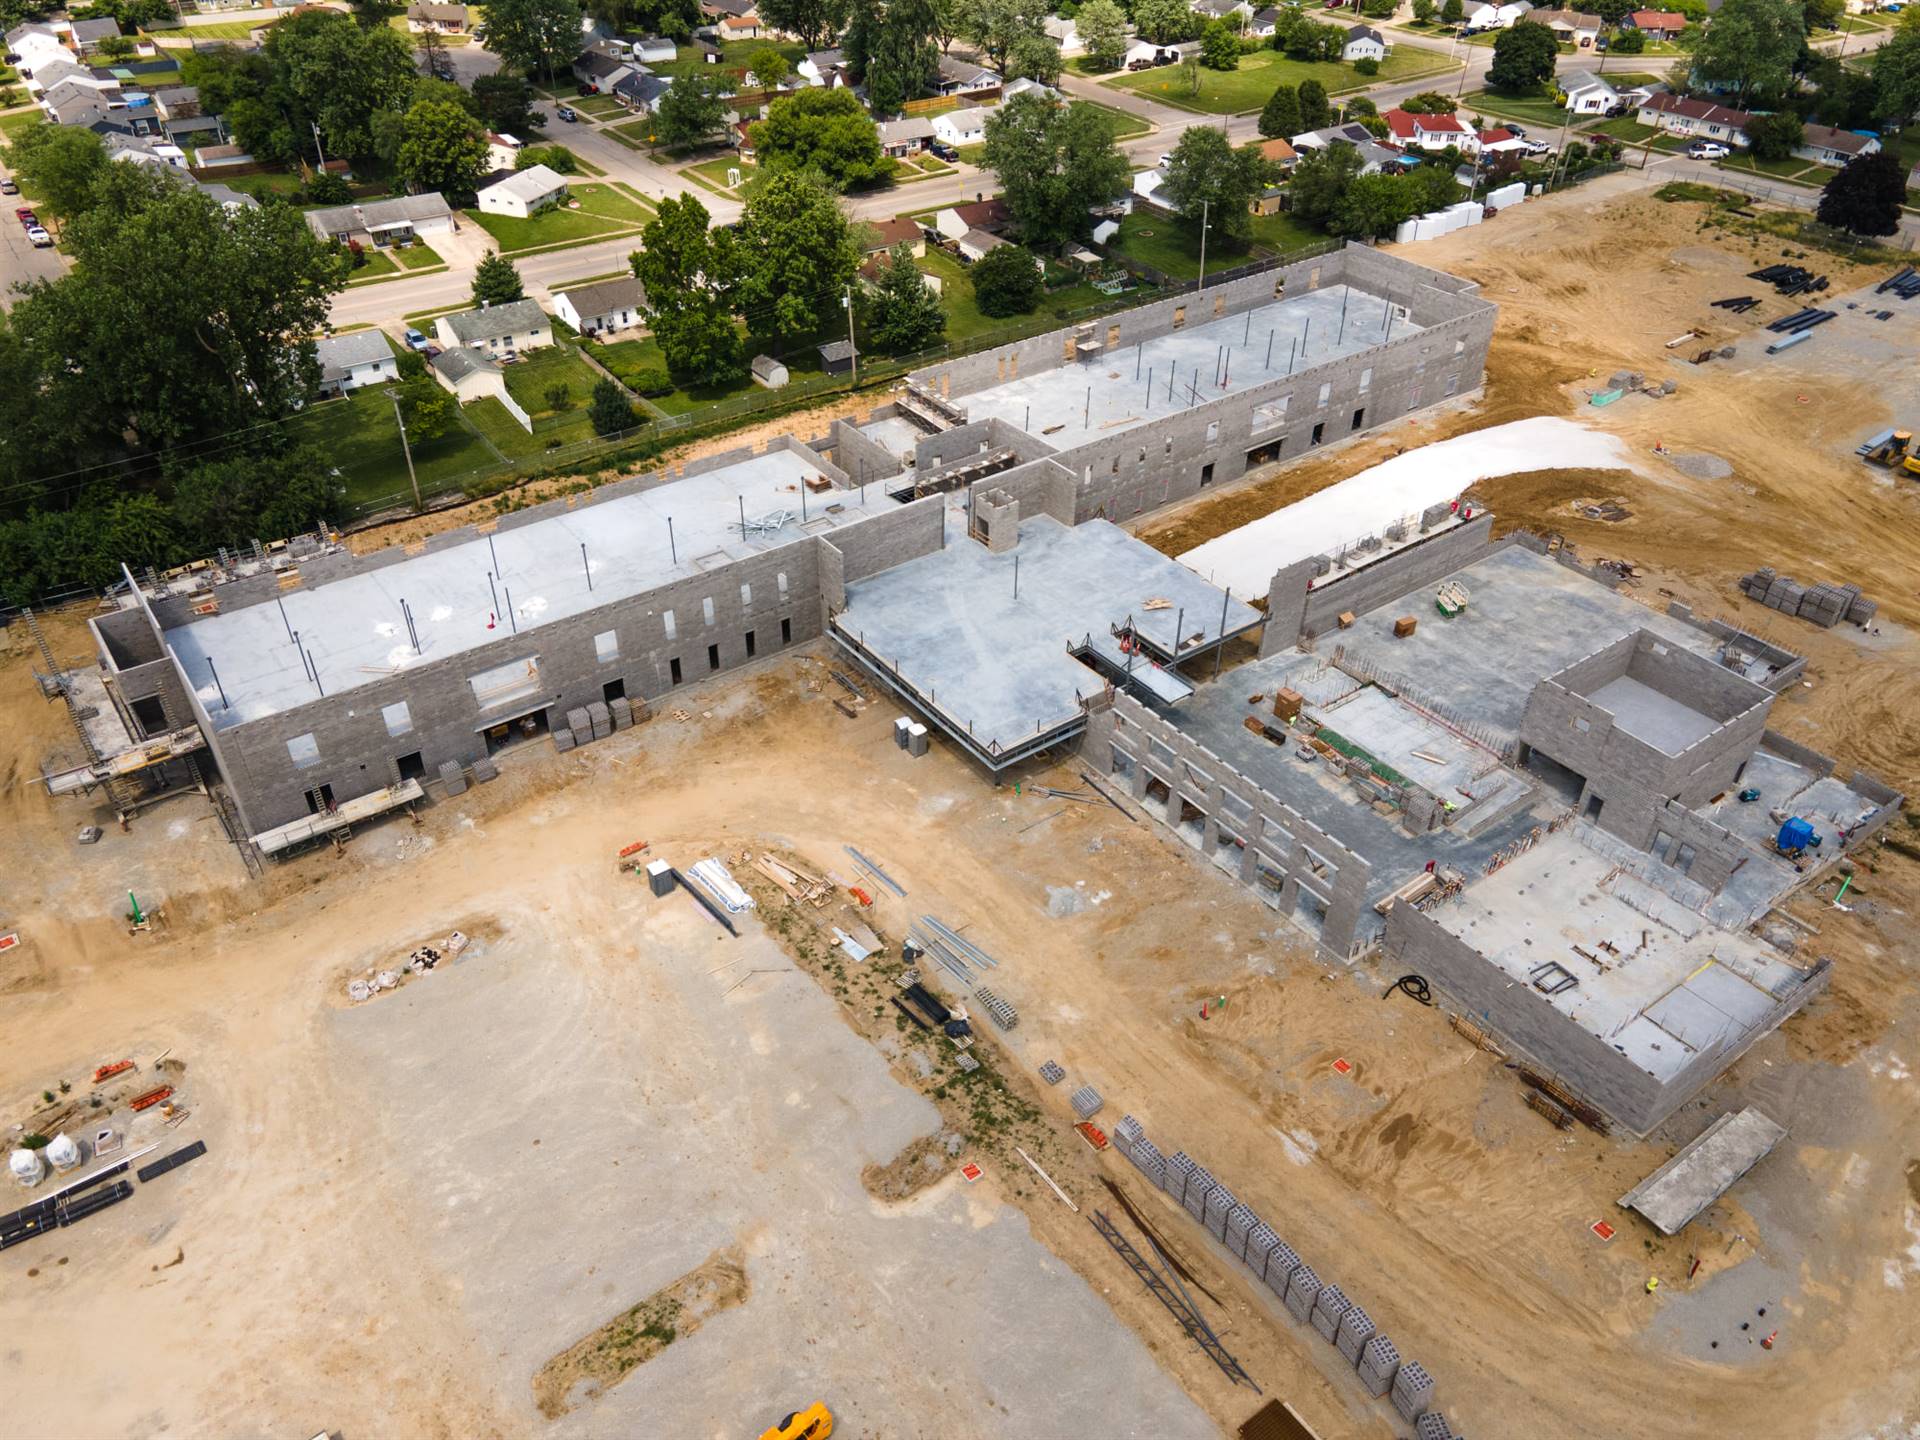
{"x": 20, "y": 262}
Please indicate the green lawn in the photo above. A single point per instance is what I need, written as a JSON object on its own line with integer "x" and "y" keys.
{"x": 359, "y": 436}
{"x": 599, "y": 106}
{"x": 733, "y": 56}
{"x": 633, "y": 134}
{"x": 1171, "y": 247}
{"x": 491, "y": 419}
{"x": 1236, "y": 92}
{"x": 12, "y": 125}
{"x": 966, "y": 325}
{"x": 530, "y": 377}
{"x": 222, "y": 30}
{"x": 1806, "y": 172}
{"x": 627, "y": 358}
{"x": 714, "y": 172}
{"x": 1282, "y": 233}
{"x": 1534, "y": 109}
{"x": 1627, "y": 129}
{"x": 1122, "y": 123}
{"x": 604, "y": 210}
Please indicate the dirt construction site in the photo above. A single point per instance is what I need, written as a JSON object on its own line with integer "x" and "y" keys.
{"x": 605, "y": 1168}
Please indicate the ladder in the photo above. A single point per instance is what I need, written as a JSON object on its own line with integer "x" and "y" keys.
{"x": 1178, "y": 1306}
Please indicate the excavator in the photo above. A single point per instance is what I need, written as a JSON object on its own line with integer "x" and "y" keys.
{"x": 813, "y": 1423}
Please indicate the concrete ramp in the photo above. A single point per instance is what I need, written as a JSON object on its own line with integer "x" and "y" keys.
{"x": 1700, "y": 1174}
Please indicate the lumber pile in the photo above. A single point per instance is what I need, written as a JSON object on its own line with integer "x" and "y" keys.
{"x": 795, "y": 884}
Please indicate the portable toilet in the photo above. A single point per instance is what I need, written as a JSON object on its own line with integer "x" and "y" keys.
{"x": 1796, "y": 834}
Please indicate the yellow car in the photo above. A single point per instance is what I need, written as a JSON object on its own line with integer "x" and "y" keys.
{"x": 813, "y": 1423}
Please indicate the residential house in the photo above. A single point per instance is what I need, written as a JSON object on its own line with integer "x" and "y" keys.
{"x": 1220, "y": 9}
{"x": 1066, "y": 35}
{"x": 602, "y": 308}
{"x": 723, "y": 9}
{"x": 349, "y": 361}
{"x": 437, "y": 19}
{"x": 1430, "y": 132}
{"x": 214, "y": 157}
{"x": 1657, "y": 24}
{"x": 1024, "y": 86}
{"x": 379, "y": 222}
{"x": 837, "y": 357}
{"x": 1364, "y": 43}
{"x": 1264, "y": 23}
{"x": 1145, "y": 185}
{"x": 652, "y": 49}
{"x": 1695, "y": 119}
{"x": 963, "y": 77}
{"x": 1571, "y": 27}
{"x": 883, "y": 235}
{"x": 1278, "y": 152}
{"x": 525, "y": 193}
{"x": 641, "y": 92}
{"x": 989, "y": 215}
{"x": 1488, "y": 15}
{"x": 225, "y": 196}
{"x": 906, "y": 136}
{"x": 1501, "y": 141}
{"x": 1373, "y": 155}
{"x": 503, "y": 151}
{"x": 869, "y": 273}
{"x": 144, "y": 150}
{"x": 87, "y": 34}
{"x": 470, "y": 374}
{"x": 975, "y": 244}
{"x": 501, "y": 331}
{"x": 69, "y": 103}
{"x": 741, "y": 27}
{"x": 1587, "y": 94}
{"x": 37, "y": 45}
{"x": 826, "y": 68}
{"x": 1828, "y": 146}
{"x": 741, "y": 136}
{"x": 1160, "y": 54}
{"x": 963, "y": 127}
{"x": 54, "y": 72}
{"x": 599, "y": 70}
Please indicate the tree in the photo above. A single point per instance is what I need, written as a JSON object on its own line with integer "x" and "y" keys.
{"x": 1219, "y": 47}
{"x": 1848, "y": 99}
{"x": 59, "y": 165}
{"x": 828, "y": 131}
{"x": 1378, "y": 9}
{"x": 325, "y": 70}
{"x": 1054, "y": 163}
{"x": 505, "y": 103}
{"x": 1524, "y": 55}
{"x": 1165, "y": 22}
{"x": 691, "y": 273}
{"x": 496, "y": 281}
{"x": 534, "y": 35}
{"x": 1366, "y": 65}
{"x": 235, "y": 500}
{"x": 1423, "y": 11}
{"x": 814, "y": 22}
{"x": 116, "y": 47}
{"x": 609, "y": 410}
{"x": 1102, "y": 26}
{"x": 557, "y": 158}
{"x": 768, "y": 67}
{"x": 1280, "y": 116}
{"x": 1006, "y": 281}
{"x": 1627, "y": 42}
{"x": 1035, "y": 57}
{"x": 1896, "y": 71}
{"x": 890, "y": 44}
{"x": 445, "y": 149}
{"x": 1751, "y": 48}
{"x": 1823, "y": 14}
{"x": 690, "y": 111}
{"x": 433, "y": 52}
{"x": 1452, "y": 12}
{"x": 1315, "y": 112}
{"x": 371, "y": 14}
{"x": 1429, "y": 102}
{"x": 998, "y": 26}
{"x": 1775, "y": 136}
{"x": 1320, "y": 182}
{"x": 903, "y": 313}
{"x": 1374, "y": 206}
{"x": 427, "y": 409}
{"x": 801, "y": 257}
{"x": 1208, "y": 177}
{"x": 1866, "y": 196}
{"x": 327, "y": 188}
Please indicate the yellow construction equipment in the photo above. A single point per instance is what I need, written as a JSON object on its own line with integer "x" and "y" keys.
{"x": 1894, "y": 452}
{"x": 813, "y": 1423}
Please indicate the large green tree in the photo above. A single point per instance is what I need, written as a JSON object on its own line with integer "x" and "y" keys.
{"x": 1207, "y": 177}
{"x": 60, "y": 166}
{"x": 690, "y": 111}
{"x": 691, "y": 273}
{"x": 444, "y": 149}
{"x": 1896, "y": 72}
{"x": 1750, "y": 50}
{"x": 1055, "y": 163}
{"x": 1316, "y": 111}
{"x": 1866, "y": 196}
{"x": 1775, "y": 136}
{"x": 496, "y": 281}
{"x": 802, "y": 255}
{"x": 1280, "y": 116}
{"x": 814, "y": 22}
{"x": 275, "y": 494}
{"x": 1102, "y": 26}
{"x": 902, "y": 312}
{"x": 890, "y": 43}
{"x": 1006, "y": 281}
{"x": 537, "y": 36}
{"x": 327, "y": 71}
{"x": 828, "y": 131}
{"x": 505, "y": 103}
{"x": 1524, "y": 55}
{"x": 1165, "y": 22}
{"x": 1320, "y": 182}
{"x": 998, "y": 26}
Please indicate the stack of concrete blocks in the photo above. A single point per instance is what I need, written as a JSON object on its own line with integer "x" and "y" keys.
{"x": 1433, "y": 1426}
{"x": 622, "y": 712}
{"x": 1086, "y": 1102}
{"x": 998, "y": 1010}
{"x": 1329, "y": 1309}
{"x": 1053, "y": 1075}
{"x": 917, "y": 740}
{"x": 1283, "y": 1263}
{"x": 1148, "y": 1160}
{"x": 1241, "y": 1225}
{"x": 902, "y": 729}
{"x": 1823, "y": 604}
{"x": 1356, "y": 1329}
{"x": 1179, "y": 1173}
{"x": 451, "y": 780}
{"x": 1127, "y": 1133}
{"x": 1303, "y": 1289}
{"x": 1412, "y": 1390}
{"x": 1221, "y": 1203}
{"x": 1200, "y": 1184}
{"x": 601, "y": 718}
{"x": 1379, "y": 1364}
{"x": 563, "y": 740}
{"x": 484, "y": 770}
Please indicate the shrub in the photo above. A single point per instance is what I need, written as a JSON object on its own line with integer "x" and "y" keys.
{"x": 1367, "y": 65}
{"x": 559, "y": 397}
{"x": 650, "y": 383}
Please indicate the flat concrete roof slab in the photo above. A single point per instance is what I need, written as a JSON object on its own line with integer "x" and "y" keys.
{"x": 1644, "y": 713}
{"x": 1077, "y": 402}
{"x": 355, "y": 631}
{"x": 949, "y": 628}
{"x": 1704, "y": 1171}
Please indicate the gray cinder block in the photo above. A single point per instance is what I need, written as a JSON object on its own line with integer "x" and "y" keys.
{"x": 1412, "y": 1390}
{"x": 1432, "y": 1426}
{"x": 1179, "y": 1171}
{"x": 1356, "y": 1328}
{"x": 601, "y": 719}
{"x": 1200, "y": 1184}
{"x": 563, "y": 740}
{"x": 1379, "y": 1363}
{"x": 1329, "y": 1308}
{"x": 1221, "y": 1202}
{"x": 1302, "y": 1290}
{"x": 1282, "y": 1262}
{"x": 1149, "y": 1161}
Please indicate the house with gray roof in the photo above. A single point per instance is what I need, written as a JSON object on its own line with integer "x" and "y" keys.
{"x": 381, "y": 222}
{"x": 87, "y": 34}
{"x": 349, "y": 361}
{"x": 602, "y": 308}
{"x": 524, "y": 193}
{"x": 501, "y": 331}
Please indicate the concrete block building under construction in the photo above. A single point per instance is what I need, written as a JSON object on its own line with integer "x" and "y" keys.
{"x": 1528, "y": 797}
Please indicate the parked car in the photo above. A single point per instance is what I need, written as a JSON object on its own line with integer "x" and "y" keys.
{"x": 566, "y": 113}
{"x": 415, "y": 340}
{"x": 944, "y": 150}
{"x": 432, "y": 351}
{"x": 7, "y": 186}
{"x": 1707, "y": 150}
{"x": 26, "y": 216}
{"x": 40, "y": 238}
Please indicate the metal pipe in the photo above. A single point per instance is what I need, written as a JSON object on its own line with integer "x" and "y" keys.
{"x": 673, "y": 552}
{"x": 225, "y": 704}
{"x": 589, "y": 569}
{"x": 283, "y": 615}
{"x": 512, "y": 619}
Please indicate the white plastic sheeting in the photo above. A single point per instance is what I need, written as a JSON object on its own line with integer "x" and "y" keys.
{"x": 27, "y": 1167}
{"x": 63, "y": 1152}
{"x": 714, "y": 875}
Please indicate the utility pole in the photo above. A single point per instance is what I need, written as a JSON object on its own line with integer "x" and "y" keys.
{"x": 1203, "y": 246}
{"x": 315, "y": 126}
{"x": 847, "y": 301}
{"x": 406, "y": 450}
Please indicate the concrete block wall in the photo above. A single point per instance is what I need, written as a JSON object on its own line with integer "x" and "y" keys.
{"x": 1426, "y": 561}
{"x": 1126, "y": 739}
{"x": 125, "y": 638}
{"x": 861, "y": 455}
{"x": 892, "y": 535}
{"x": 1821, "y": 765}
{"x": 1042, "y": 487}
{"x": 1716, "y": 851}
